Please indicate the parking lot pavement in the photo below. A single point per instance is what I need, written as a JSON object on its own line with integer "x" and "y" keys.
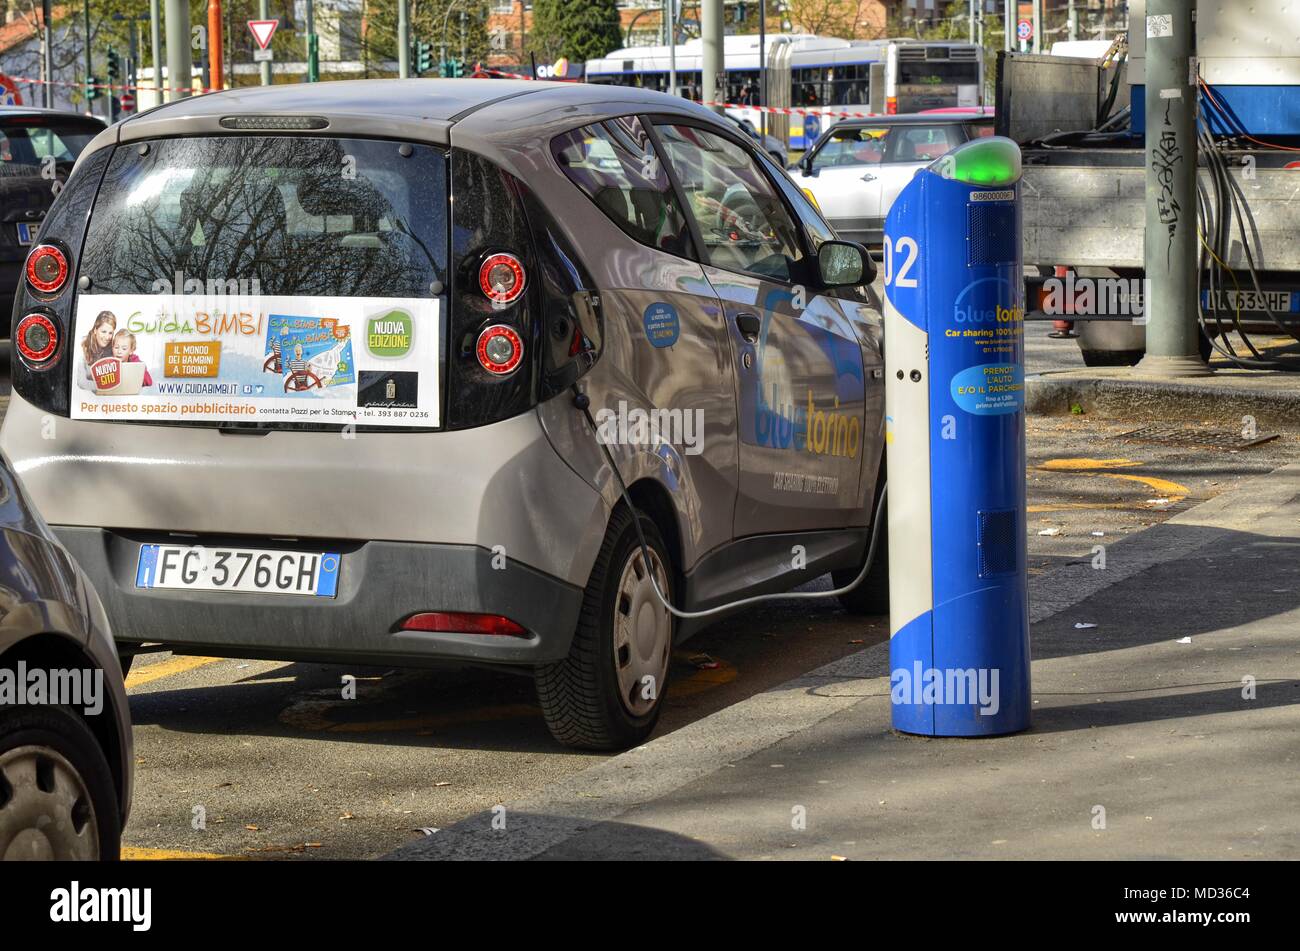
{"x": 1163, "y": 728}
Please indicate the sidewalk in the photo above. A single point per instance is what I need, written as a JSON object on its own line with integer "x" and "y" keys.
{"x": 1155, "y": 732}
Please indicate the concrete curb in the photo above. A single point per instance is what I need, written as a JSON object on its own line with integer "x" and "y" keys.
{"x": 617, "y": 785}
{"x": 1225, "y": 401}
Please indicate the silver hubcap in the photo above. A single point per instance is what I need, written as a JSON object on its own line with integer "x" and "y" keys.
{"x": 45, "y": 808}
{"x": 642, "y": 633}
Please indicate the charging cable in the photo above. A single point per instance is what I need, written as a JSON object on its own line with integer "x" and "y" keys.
{"x": 583, "y": 403}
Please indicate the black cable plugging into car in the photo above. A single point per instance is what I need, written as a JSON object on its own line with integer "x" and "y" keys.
{"x": 583, "y": 403}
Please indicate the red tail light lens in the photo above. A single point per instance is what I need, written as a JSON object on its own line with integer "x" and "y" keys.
{"x": 47, "y": 268}
{"x": 463, "y": 622}
{"x": 500, "y": 349}
{"x": 501, "y": 278}
{"x": 36, "y": 338}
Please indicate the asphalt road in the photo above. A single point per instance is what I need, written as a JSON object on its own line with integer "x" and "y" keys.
{"x": 255, "y": 759}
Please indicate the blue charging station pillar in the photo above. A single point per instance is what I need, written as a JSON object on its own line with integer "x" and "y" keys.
{"x": 955, "y": 436}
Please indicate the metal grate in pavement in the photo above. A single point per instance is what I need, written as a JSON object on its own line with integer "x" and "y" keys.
{"x": 1196, "y": 438}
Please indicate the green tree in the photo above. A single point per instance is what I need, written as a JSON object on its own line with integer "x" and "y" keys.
{"x": 577, "y": 29}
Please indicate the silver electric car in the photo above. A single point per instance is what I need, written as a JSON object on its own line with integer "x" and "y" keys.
{"x": 414, "y": 372}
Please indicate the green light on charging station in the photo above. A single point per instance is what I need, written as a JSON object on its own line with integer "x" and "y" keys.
{"x": 989, "y": 161}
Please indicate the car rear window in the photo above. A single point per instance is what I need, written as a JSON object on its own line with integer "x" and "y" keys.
{"x": 298, "y": 215}
{"x": 26, "y": 145}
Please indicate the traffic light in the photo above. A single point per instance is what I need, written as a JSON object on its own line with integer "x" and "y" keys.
{"x": 456, "y": 69}
{"x": 423, "y": 57}
{"x": 92, "y": 88}
{"x": 114, "y": 66}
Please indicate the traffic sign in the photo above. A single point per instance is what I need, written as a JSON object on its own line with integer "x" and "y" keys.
{"x": 127, "y": 102}
{"x": 262, "y": 31}
{"x": 1025, "y": 29}
{"x": 262, "y": 56}
{"x": 9, "y": 94}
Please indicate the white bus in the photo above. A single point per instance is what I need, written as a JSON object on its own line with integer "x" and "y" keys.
{"x": 825, "y": 76}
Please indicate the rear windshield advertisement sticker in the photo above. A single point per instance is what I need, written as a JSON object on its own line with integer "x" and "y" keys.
{"x": 366, "y": 360}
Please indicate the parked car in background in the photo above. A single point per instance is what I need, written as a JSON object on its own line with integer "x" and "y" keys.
{"x": 37, "y": 149}
{"x": 65, "y": 761}
{"x": 858, "y": 167}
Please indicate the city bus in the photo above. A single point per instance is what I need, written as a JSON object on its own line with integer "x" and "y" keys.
{"x": 826, "y": 76}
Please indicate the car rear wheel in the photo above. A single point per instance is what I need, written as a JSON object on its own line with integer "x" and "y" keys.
{"x": 57, "y": 798}
{"x": 608, "y": 692}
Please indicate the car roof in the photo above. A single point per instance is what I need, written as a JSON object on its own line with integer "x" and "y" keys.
{"x": 35, "y": 112}
{"x": 438, "y": 101}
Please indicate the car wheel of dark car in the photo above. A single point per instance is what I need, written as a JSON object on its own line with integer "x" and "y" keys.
{"x": 57, "y": 799}
{"x": 608, "y": 692}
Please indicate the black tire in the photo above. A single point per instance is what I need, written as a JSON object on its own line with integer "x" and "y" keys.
{"x": 870, "y": 598}
{"x": 580, "y": 695}
{"x": 65, "y": 733}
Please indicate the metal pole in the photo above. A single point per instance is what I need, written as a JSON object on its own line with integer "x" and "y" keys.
{"x": 403, "y": 39}
{"x": 971, "y": 26}
{"x": 463, "y": 39}
{"x": 672, "y": 46}
{"x": 1038, "y": 26}
{"x": 1009, "y": 25}
{"x": 179, "y": 65}
{"x": 1170, "y": 249}
{"x": 1072, "y": 21}
{"x": 313, "y": 45}
{"x": 216, "y": 43}
{"x": 762, "y": 70}
{"x": 711, "y": 38}
{"x": 264, "y": 69}
{"x": 155, "y": 49}
{"x": 47, "y": 54}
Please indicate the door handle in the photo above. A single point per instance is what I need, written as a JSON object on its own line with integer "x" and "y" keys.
{"x": 868, "y": 177}
{"x": 749, "y": 325}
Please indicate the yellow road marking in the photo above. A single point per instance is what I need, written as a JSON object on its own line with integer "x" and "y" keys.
{"x": 139, "y": 853}
{"x": 1064, "y": 506}
{"x": 1171, "y": 491}
{"x": 166, "y": 668}
{"x": 1080, "y": 465}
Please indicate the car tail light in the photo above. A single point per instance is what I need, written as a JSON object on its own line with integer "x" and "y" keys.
{"x": 500, "y": 349}
{"x": 463, "y": 622}
{"x": 891, "y": 106}
{"x": 36, "y": 337}
{"x": 47, "y": 268}
{"x": 501, "y": 278}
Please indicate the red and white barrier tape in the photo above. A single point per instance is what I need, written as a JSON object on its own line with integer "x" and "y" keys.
{"x": 62, "y": 82}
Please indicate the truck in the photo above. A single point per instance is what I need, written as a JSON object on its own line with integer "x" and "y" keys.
{"x": 1080, "y": 122}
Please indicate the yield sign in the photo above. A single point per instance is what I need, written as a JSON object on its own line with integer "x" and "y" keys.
{"x": 262, "y": 31}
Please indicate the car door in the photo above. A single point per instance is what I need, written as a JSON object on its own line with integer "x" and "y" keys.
{"x": 844, "y": 175}
{"x": 798, "y": 360}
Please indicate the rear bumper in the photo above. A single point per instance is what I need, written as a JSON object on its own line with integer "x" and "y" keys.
{"x": 380, "y": 584}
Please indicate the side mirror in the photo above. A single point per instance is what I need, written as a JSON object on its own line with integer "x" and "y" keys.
{"x": 806, "y": 165}
{"x": 845, "y": 264}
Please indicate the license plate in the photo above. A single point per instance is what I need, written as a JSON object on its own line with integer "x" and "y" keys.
{"x": 1231, "y": 302}
{"x": 238, "y": 569}
{"x": 28, "y": 232}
